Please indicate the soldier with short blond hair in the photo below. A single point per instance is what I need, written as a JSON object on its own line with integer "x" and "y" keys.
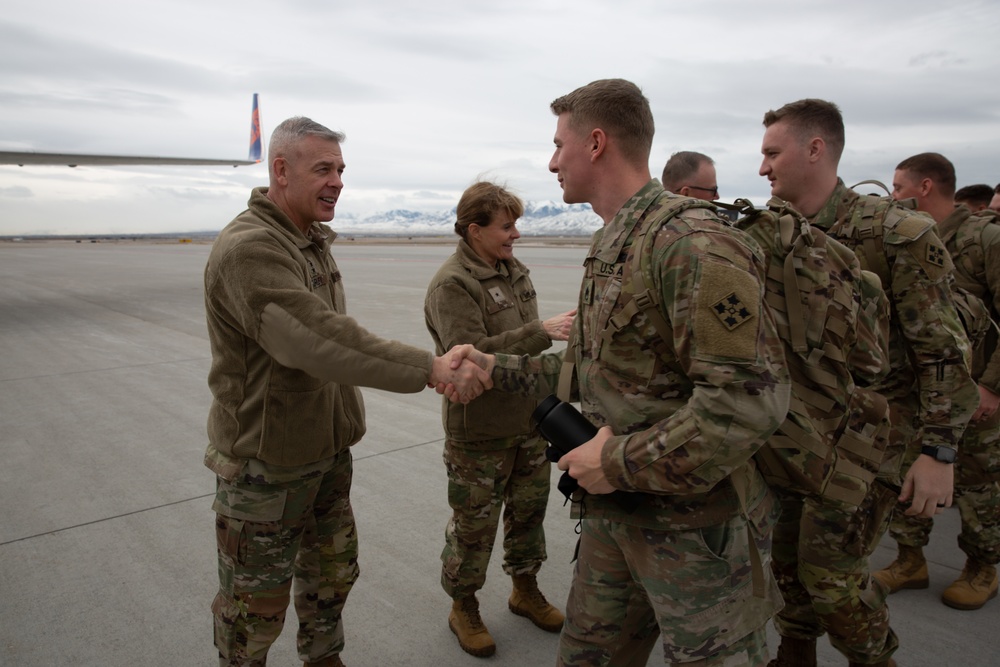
{"x": 681, "y": 414}
{"x": 928, "y": 387}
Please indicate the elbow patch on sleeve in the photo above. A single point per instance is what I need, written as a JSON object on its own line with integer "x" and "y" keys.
{"x": 727, "y": 314}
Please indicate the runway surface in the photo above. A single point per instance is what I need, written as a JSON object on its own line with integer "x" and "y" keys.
{"x": 107, "y": 553}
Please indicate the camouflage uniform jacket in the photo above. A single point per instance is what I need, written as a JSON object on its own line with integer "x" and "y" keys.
{"x": 686, "y": 413}
{"x": 973, "y": 239}
{"x": 285, "y": 356}
{"x": 929, "y": 353}
{"x": 494, "y": 308}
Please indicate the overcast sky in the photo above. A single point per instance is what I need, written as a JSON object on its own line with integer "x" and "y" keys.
{"x": 433, "y": 94}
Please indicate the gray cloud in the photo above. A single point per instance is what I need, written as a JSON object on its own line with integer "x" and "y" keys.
{"x": 433, "y": 94}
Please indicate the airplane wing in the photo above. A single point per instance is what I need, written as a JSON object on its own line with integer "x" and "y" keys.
{"x": 22, "y": 158}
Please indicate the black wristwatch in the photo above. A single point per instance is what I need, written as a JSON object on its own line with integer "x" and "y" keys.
{"x": 939, "y": 453}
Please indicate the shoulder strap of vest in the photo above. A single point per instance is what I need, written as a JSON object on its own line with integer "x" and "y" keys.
{"x": 644, "y": 297}
{"x": 868, "y": 229}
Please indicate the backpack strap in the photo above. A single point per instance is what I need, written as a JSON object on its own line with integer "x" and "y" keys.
{"x": 872, "y": 181}
{"x": 644, "y": 298}
{"x": 793, "y": 302}
{"x": 869, "y": 231}
{"x": 565, "y": 386}
{"x": 741, "y": 479}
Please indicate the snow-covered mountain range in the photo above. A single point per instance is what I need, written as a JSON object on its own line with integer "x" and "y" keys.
{"x": 543, "y": 218}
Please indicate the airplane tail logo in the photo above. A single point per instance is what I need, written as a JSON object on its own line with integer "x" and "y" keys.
{"x": 256, "y": 146}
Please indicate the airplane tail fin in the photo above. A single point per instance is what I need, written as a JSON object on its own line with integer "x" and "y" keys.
{"x": 256, "y": 139}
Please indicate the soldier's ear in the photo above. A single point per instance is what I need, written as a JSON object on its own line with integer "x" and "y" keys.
{"x": 817, "y": 147}
{"x": 926, "y": 185}
{"x": 597, "y": 143}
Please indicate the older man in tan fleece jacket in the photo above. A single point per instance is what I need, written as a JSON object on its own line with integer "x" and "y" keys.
{"x": 286, "y": 364}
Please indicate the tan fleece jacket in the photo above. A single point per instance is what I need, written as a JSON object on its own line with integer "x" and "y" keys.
{"x": 469, "y": 301}
{"x": 286, "y": 359}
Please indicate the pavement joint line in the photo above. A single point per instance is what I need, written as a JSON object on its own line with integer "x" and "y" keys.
{"x": 187, "y": 500}
{"x": 107, "y": 518}
{"x": 398, "y": 449}
{"x": 104, "y": 370}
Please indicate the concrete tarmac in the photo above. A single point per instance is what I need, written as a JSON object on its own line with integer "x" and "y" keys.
{"x": 107, "y": 545}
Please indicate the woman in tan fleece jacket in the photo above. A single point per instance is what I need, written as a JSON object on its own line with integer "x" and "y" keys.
{"x": 493, "y": 455}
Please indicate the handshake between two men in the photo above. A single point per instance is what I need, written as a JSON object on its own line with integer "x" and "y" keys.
{"x": 464, "y": 373}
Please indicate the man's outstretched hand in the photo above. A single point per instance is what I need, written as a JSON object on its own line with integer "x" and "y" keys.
{"x": 462, "y": 373}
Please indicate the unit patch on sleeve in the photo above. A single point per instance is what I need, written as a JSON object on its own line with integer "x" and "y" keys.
{"x": 727, "y": 312}
{"x": 935, "y": 255}
{"x": 731, "y": 311}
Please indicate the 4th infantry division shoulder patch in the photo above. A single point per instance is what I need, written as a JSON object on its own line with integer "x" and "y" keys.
{"x": 935, "y": 255}
{"x": 731, "y": 311}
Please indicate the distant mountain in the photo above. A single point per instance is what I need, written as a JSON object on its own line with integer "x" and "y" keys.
{"x": 544, "y": 218}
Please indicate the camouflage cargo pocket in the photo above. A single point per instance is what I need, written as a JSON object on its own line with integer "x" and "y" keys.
{"x": 226, "y": 613}
{"x": 471, "y": 480}
{"x": 869, "y": 521}
{"x": 248, "y": 525}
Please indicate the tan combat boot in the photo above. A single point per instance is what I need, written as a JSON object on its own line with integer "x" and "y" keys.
{"x": 974, "y": 587}
{"x": 909, "y": 570}
{"x": 331, "y": 661}
{"x": 793, "y": 652}
{"x": 465, "y": 622}
{"x": 526, "y": 600}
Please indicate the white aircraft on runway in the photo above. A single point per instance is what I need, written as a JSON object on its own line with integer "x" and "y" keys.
{"x": 22, "y": 158}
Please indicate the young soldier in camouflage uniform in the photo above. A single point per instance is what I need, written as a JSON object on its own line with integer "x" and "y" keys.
{"x": 928, "y": 387}
{"x": 680, "y": 418}
{"x": 975, "y": 197}
{"x": 286, "y": 360}
{"x": 974, "y": 243}
{"x": 833, "y": 319}
{"x": 493, "y": 455}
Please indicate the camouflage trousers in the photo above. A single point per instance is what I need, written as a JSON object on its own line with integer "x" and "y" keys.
{"x": 480, "y": 482}
{"x": 693, "y": 588}
{"x": 269, "y": 535}
{"x": 977, "y": 494}
{"x": 820, "y": 561}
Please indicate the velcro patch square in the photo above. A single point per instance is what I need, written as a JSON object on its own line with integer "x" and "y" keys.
{"x": 935, "y": 255}
{"x": 731, "y": 311}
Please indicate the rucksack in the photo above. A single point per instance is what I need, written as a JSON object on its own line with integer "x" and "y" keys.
{"x": 967, "y": 248}
{"x": 872, "y": 215}
{"x": 831, "y": 442}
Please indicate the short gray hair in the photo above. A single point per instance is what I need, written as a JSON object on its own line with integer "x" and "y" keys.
{"x": 290, "y": 132}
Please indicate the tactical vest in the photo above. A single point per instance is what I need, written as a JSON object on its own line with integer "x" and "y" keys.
{"x": 832, "y": 440}
{"x": 877, "y": 221}
{"x": 968, "y": 251}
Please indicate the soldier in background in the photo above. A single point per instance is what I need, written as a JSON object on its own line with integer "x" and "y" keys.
{"x": 975, "y": 197}
{"x": 482, "y": 295}
{"x": 995, "y": 202}
{"x": 691, "y": 174}
{"x": 928, "y": 386}
{"x": 974, "y": 243}
{"x": 680, "y": 415}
